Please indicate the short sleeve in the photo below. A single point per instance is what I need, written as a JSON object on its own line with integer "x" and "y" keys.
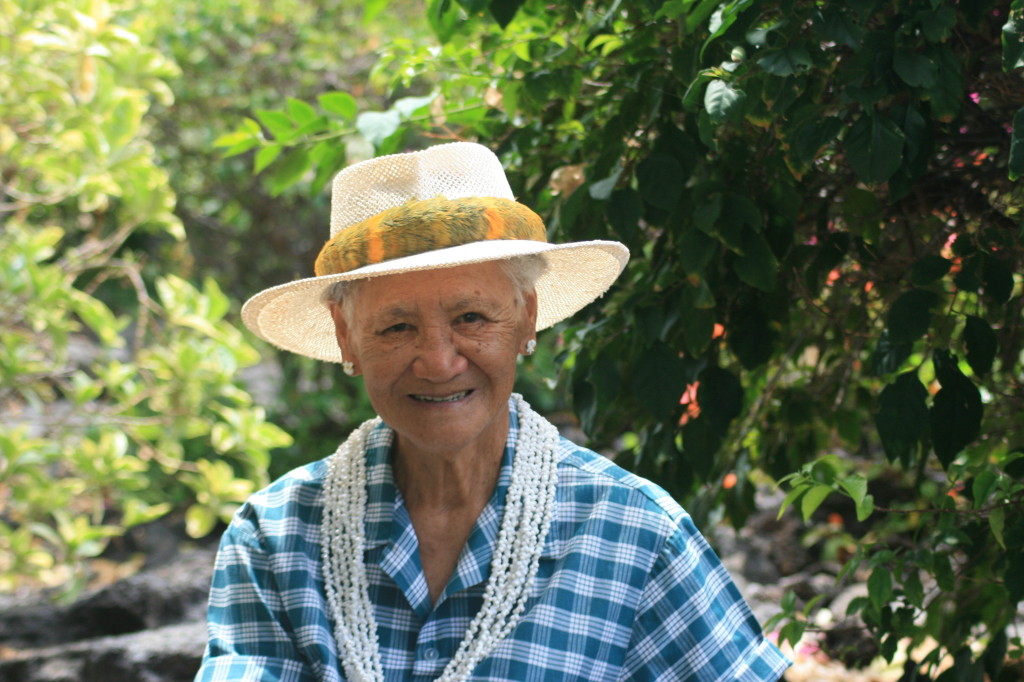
{"x": 247, "y": 623}
{"x": 692, "y": 623}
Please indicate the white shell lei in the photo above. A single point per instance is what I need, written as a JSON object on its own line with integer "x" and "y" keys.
{"x": 529, "y": 507}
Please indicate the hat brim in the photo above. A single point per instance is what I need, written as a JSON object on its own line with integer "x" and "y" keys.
{"x": 292, "y": 317}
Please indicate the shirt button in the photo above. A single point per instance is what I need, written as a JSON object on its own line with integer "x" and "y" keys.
{"x": 431, "y": 654}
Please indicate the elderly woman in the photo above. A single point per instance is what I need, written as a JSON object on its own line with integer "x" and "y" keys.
{"x": 457, "y": 536}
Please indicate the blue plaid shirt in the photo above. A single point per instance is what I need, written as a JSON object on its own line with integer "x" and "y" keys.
{"x": 627, "y": 588}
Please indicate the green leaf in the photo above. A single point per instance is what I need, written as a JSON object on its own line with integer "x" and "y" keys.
{"x": 856, "y": 487}
{"x": 199, "y": 521}
{"x": 661, "y": 179}
{"x": 984, "y": 483}
{"x": 328, "y": 158}
{"x": 707, "y": 212}
{"x": 981, "y": 345}
{"x": 278, "y": 124}
{"x": 792, "y": 632}
{"x": 696, "y": 250}
{"x": 504, "y": 11}
{"x": 937, "y": 25}
{"x": 942, "y": 569}
{"x": 865, "y": 507}
{"x": 98, "y": 317}
{"x": 602, "y": 189}
{"x": 916, "y": 70}
{"x": 813, "y": 135}
{"x": 300, "y": 112}
{"x": 955, "y": 416}
{"x": 444, "y": 18}
{"x": 751, "y": 336}
{"x": 913, "y": 588}
{"x": 338, "y": 103}
{"x": 836, "y": 27}
{"x": 658, "y": 380}
{"x": 700, "y": 443}
{"x": 997, "y": 279}
{"x": 880, "y": 587}
{"x": 928, "y": 269}
{"x": 1015, "y": 167}
{"x": 720, "y": 397}
{"x": 1012, "y": 38}
{"x": 265, "y": 157}
{"x": 624, "y": 211}
{"x": 791, "y": 497}
{"x": 810, "y": 502}
{"x": 378, "y": 126}
{"x": 902, "y": 417}
{"x": 722, "y": 101}
{"x": 407, "y": 107}
{"x": 739, "y": 217}
{"x": 788, "y": 61}
{"x": 289, "y": 170}
{"x": 874, "y": 148}
{"x": 692, "y": 96}
{"x": 910, "y": 315}
{"x": 697, "y": 326}
{"x": 236, "y": 138}
{"x": 757, "y": 266}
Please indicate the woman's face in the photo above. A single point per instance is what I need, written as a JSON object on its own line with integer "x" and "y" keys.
{"x": 437, "y": 351}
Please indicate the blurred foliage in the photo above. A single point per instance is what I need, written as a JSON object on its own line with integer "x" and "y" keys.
{"x": 119, "y": 393}
{"x": 825, "y": 289}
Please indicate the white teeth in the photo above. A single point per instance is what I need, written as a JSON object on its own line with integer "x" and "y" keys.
{"x": 442, "y": 399}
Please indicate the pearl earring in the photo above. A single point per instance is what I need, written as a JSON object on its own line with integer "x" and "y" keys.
{"x": 348, "y": 368}
{"x": 531, "y": 346}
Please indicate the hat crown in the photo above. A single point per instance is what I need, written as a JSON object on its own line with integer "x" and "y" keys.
{"x": 454, "y": 171}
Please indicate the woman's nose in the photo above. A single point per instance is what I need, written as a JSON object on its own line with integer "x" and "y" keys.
{"x": 438, "y": 357}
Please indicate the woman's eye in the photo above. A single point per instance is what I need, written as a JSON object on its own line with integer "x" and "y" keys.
{"x": 470, "y": 318}
{"x": 397, "y": 328}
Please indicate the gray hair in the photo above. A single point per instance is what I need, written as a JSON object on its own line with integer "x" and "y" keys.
{"x": 522, "y": 271}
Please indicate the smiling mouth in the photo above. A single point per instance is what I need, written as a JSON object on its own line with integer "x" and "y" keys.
{"x": 440, "y": 398}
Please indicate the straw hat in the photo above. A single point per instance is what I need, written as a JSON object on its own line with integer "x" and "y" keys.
{"x": 380, "y": 211}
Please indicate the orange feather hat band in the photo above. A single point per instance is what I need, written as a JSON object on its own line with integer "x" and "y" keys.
{"x": 427, "y": 225}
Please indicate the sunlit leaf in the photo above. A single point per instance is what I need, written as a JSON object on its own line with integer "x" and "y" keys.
{"x": 723, "y": 101}
{"x": 377, "y": 126}
{"x": 338, "y": 103}
{"x": 277, "y": 123}
{"x": 810, "y": 502}
{"x": 301, "y": 112}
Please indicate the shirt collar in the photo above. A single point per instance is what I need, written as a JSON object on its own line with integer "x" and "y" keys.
{"x": 392, "y": 540}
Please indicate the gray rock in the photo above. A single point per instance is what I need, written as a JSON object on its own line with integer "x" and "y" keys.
{"x": 167, "y": 654}
{"x": 149, "y": 627}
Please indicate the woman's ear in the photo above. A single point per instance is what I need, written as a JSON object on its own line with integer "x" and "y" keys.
{"x": 341, "y": 331}
{"x": 530, "y": 316}
{"x": 530, "y": 304}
